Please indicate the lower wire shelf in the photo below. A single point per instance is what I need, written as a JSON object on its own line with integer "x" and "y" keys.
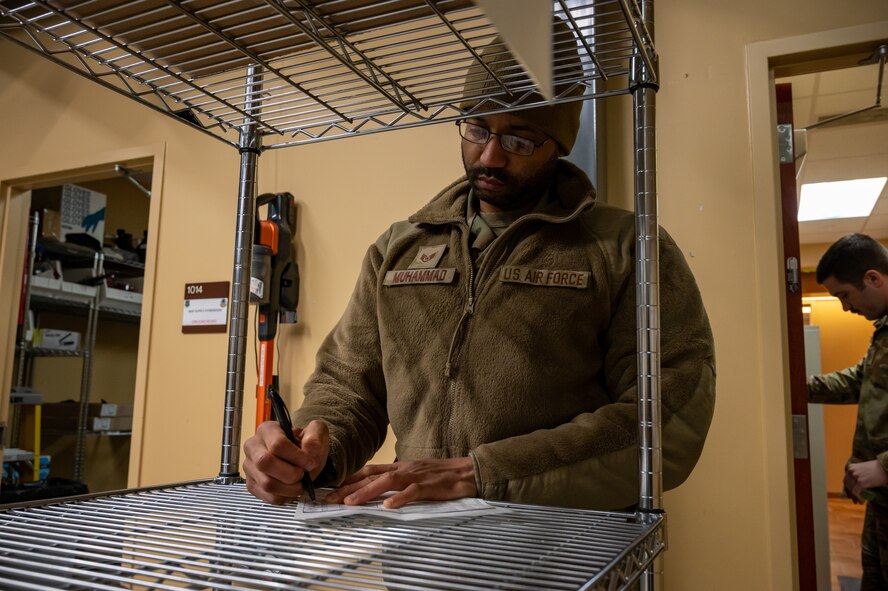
{"x": 208, "y": 535}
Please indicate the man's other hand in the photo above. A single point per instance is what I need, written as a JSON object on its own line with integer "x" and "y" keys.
{"x": 415, "y": 480}
{"x": 274, "y": 466}
{"x": 864, "y": 475}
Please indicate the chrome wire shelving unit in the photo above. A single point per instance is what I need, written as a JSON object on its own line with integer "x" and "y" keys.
{"x": 264, "y": 74}
{"x": 215, "y": 536}
{"x": 329, "y": 68}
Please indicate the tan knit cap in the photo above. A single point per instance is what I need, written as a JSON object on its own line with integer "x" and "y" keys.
{"x": 559, "y": 121}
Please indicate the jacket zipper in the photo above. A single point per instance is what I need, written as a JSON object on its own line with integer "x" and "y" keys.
{"x": 455, "y": 345}
{"x": 456, "y": 342}
{"x": 453, "y": 355}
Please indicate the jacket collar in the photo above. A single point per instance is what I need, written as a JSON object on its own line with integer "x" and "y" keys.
{"x": 570, "y": 193}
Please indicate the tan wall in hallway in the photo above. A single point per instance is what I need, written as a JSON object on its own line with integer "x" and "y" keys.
{"x": 70, "y": 123}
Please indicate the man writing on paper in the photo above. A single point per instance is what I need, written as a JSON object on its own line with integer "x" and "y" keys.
{"x": 495, "y": 330}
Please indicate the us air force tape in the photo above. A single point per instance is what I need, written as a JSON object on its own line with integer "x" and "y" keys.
{"x": 545, "y": 277}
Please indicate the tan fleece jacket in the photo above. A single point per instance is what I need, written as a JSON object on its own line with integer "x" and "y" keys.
{"x": 527, "y": 363}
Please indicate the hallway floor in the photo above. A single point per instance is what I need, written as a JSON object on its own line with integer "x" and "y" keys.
{"x": 845, "y": 525}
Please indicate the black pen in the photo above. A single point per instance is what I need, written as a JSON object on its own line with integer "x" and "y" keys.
{"x": 282, "y": 415}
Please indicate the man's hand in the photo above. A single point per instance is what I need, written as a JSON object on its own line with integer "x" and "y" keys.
{"x": 862, "y": 476}
{"x": 434, "y": 480}
{"x": 274, "y": 466}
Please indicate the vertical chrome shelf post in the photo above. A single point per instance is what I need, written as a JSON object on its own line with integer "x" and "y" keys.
{"x": 20, "y": 372}
{"x": 249, "y": 145}
{"x": 643, "y": 85}
{"x": 26, "y": 305}
{"x": 87, "y": 348}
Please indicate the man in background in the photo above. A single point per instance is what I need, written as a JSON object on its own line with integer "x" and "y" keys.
{"x": 855, "y": 270}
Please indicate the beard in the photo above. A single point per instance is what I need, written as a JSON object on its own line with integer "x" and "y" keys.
{"x": 517, "y": 191}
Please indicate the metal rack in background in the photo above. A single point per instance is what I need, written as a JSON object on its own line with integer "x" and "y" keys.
{"x": 263, "y": 74}
{"x": 28, "y": 353}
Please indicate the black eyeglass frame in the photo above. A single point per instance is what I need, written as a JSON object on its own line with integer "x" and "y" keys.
{"x": 490, "y": 134}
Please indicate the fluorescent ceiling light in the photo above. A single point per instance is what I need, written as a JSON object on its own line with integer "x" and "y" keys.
{"x": 839, "y": 199}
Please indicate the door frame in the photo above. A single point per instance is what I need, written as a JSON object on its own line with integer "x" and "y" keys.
{"x": 806, "y": 543}
{"x": 762, "y": 58}
{"x": 13, "y": 232}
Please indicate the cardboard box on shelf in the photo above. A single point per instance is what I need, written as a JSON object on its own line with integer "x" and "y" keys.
{"x": 112, "y": 297}
{"x": 78, "y": 293}
{"x": 63, "y": 416}
{"x": 112, "y": 423}
{"x": 81, "y": 211}
{"x": 45, "y": 285}
{"x": 50, "y": 225}
{"x": 50, "y": 338}
{"x": 108, "y": 409}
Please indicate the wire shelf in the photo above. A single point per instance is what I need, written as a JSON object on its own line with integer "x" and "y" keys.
{"x": 329, "y": 68}
{"x": 216, "y": 536}
{"x": 44, "y": 352}
{"x": 295, "y": 72}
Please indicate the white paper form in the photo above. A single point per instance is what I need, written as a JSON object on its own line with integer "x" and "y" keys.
{"x": 308, "y": 509}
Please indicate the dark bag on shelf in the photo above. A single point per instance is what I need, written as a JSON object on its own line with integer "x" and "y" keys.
{"x": 83, "y": 239}
{"x": 47, "y": 489}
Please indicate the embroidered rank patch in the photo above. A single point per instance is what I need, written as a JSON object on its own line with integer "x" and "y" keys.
{"x": 428, "y": 257}
{"x": 545, "y": 277}
{"x": 419, "y": 276}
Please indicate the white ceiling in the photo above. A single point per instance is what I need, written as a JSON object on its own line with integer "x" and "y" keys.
{"x": 854, "y": 147}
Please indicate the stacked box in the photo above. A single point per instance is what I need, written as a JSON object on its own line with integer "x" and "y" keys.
{"x": 113, "y": 417}
{"x": 50, "y": 338}
{"x": 130, "y": 301}
{"x": 112, "y": 423}
{"x": 50, "y": 227}
{"x": 81, "y": 211}
{"x": 115, "y": 410}
{"x": 63, "y": 416}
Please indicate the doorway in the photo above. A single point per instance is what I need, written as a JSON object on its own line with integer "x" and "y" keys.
{"x": 90, "y": 286}
{"x": 766, "y": 61}
{"x": 837, "y": 141}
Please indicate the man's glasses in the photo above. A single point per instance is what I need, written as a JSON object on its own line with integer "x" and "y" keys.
{"x": 513, "y": 144}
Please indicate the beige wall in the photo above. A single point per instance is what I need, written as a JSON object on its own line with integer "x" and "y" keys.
{"x": 70, "y": 123}
{"x": 730, "y": 525}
